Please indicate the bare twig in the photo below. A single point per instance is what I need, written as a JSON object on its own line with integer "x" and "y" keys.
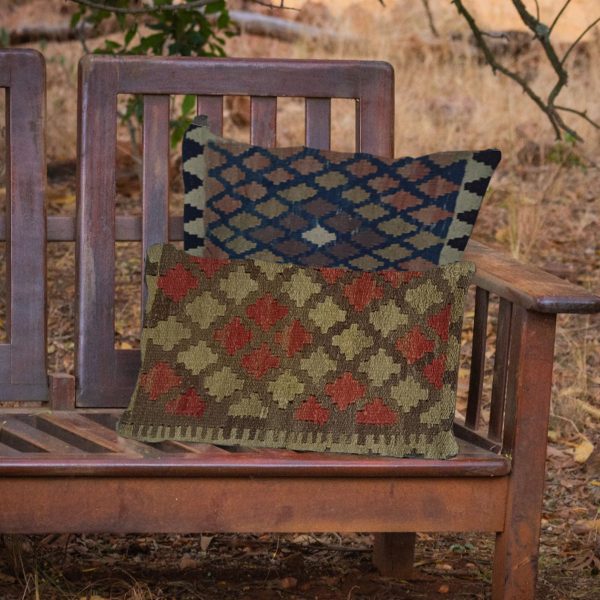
{"x": 558, "y": 16}
{"x": 497, "y": 66}
{"x": 541, "y": 32}
{"x": 572, "y": 46}
{"x": 430, "y": 18}
{"x": 580, "y": 113}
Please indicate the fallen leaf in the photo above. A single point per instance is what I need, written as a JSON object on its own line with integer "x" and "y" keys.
{"x": 583, "y": 451}
{"x": 444, "y": 588}
{"x": 586, "y": 526}
{"x": 205, "y": 541}
{"x": 187, "y": 562}
{"x": 288, "y": 582}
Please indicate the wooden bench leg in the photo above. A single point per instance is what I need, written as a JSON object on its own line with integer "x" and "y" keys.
{"x": 525, "y": 435}
{"x": 394, "y": 554}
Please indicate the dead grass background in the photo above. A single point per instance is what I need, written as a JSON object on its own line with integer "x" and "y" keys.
{"x": 543, "y": 207}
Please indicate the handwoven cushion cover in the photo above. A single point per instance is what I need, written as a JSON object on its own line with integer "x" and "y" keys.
{"x": 322, "y": 208}
{"x": 276, "y": 355}
{"x": 194, "y": 175}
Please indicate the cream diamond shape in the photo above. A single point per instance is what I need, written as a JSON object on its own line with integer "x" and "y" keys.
{"x": 352, "y": 341}
{"x": 167, "y": 334}
{"x": 238, "y": 285}
{"x": 326, "y": 314}
{"x": 301, "y": 287}
{"x": 270, "y": 269}
{"x": 285, "y": 388}
{"x": 379, "y": 368}
{"x": 408, "y": 393}
{"x": 197, "y": 358}
{"x": 249, "y": 407}
{"x": 240, "y": 244}
{"x": 271, "y": 208}
{"x": 204, "y": 310}
{"x": 387, "y": 318}
{"x": 223, "y": 383}
{"x": 319, "y": 236}
{"x": 423, "y": 296}
{"x": 318, "y": 364}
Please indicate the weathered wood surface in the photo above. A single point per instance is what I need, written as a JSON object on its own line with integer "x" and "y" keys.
{"x": 23, "y": 357}
{"x": 189, "y": 504}
{"x": 85, "y": 443}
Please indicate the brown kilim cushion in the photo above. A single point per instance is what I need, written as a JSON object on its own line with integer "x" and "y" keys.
{"x": 276, "y": 355}
{"x": 321, "y": 208}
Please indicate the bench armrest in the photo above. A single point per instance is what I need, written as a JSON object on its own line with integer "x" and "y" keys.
{"x": 526, "y": 285}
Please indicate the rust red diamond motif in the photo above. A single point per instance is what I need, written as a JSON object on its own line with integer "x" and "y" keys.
{"x": 210, "y": 266}
{"x": 266, "y": 311}
{"x": 234, "y": 336}
{"x": 293, "y": 338}
{"x": 160, "y": 379}
{"x": 260, "y": 361}
{"x": 311, "y": 410}
{"x": 177, "y": 282}
{"x": 376, "y": 413}
{"x": 345, "y": 390}
{"x": 441, "y": 322}
{"x": 414, "y": 345}
{"x": 188, "y": 404}
{"x": 331, "y": 275}
{"x": 362, "y": 291}
{"x": 434, "y": 371}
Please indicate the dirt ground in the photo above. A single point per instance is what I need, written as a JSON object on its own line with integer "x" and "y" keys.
{"x": 543, "y": 207}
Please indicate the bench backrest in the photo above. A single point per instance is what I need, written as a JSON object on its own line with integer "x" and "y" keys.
{"x": 23, "y": 356}
{"x": 106, "y": 375}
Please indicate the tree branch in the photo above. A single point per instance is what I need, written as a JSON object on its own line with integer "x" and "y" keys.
{"x": 542, "y": 34}
{"x": 430, "y": 18}
{"x": 558, "y": 16}
{"x": 580, "y": 113}
{"x": 497, "y": 66}
{"x": 142, "y": 10}
{"x": 572, "y": 46}
{"x": 148, "y": 9}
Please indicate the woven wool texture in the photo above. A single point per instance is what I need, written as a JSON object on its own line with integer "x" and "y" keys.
{"x": 194, "y": 176}
{"x": 277, "y": 355}
{"x": 321, "y": 208}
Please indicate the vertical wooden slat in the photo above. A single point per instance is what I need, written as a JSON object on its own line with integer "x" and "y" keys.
{"x": 318, "y": 123}
{"x": 394, "y": 554}
{"x": 375, "y": 115}
{"x": 96, "y": 362}
{"x": 155, "y": 176}
{"x": 525, "y": 434}
{"x": 477, "y": 358}
{"x": 26, "y": 224}
{"x": 263, "y": 121}
{"x": 212, "y": 107}
{"x": 500, "y": 369}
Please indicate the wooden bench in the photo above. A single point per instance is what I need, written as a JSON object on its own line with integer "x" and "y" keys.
{"x": 62, "y": 466}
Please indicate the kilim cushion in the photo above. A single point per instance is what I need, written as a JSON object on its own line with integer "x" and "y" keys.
{"x": 322, "y": 208}
{"x": 271, "y": 354}
{"x": 194, "y": 176}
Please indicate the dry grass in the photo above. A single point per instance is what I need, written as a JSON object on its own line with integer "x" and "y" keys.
{"x": 543, "y": 207}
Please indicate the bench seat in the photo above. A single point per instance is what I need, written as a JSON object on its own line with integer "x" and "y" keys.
{"x": 84, "y": 443}
{"x": 68, "y": 471}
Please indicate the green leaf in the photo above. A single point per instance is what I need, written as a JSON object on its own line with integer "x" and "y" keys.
{"x": 75, "y": 18}
{"x": 188, "y": 104}
{"x": 213, "y": 7}
{"x": 130, "y": 33}
{"x": 224, "y": 20}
